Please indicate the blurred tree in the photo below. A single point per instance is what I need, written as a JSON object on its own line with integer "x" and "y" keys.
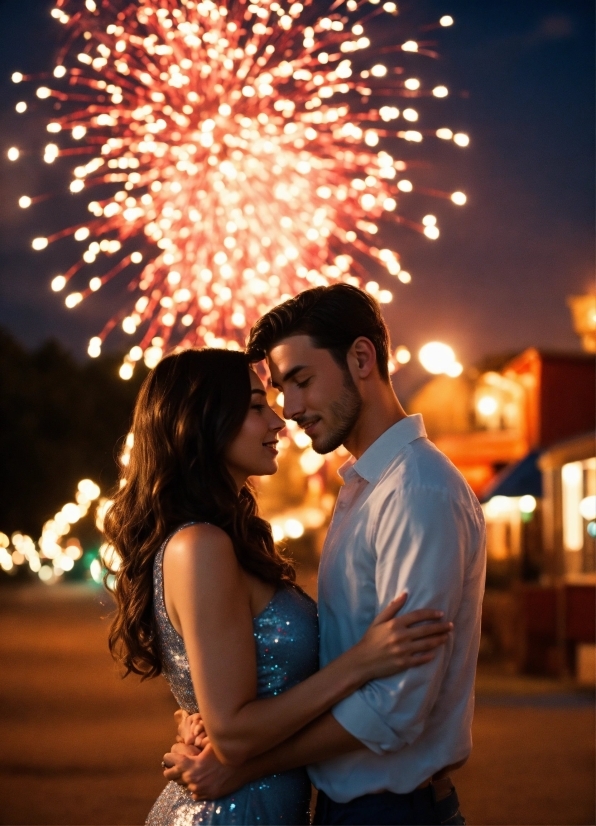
{"x": 60, "y": 422}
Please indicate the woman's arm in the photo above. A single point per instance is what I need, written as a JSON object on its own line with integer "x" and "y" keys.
{"x": 207, "y": 779}
{"x": 210, "y": 599}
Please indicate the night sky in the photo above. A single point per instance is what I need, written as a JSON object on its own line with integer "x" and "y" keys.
{"x": 521, "y": 82}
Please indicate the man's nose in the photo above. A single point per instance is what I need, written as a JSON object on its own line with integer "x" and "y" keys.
{"x": 292, "y": 406}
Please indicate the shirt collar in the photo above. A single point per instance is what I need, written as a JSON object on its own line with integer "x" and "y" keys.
{"x": 375, "y": 458}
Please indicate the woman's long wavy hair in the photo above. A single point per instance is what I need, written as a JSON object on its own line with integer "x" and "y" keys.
{"x": 189, "y": 409}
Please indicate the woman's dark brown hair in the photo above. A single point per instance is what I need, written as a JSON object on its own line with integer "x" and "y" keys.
{"x": 189, "y": 409}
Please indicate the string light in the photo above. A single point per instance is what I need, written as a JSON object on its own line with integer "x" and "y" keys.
{"x": 53, "y": 555}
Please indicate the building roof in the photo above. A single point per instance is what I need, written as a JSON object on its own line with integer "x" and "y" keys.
{"x": 519, "y": 479}
{"x": 571, "y": 450}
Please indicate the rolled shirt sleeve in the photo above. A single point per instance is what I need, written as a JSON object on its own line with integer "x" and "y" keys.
{"x": 420, "y": 540}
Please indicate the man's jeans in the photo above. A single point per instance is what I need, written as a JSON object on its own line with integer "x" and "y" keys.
{"x": 417, "y": 807}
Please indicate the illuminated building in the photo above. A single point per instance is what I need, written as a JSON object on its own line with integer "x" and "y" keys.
{"x": 487, "y": 421}
{"x": 566, "y": 603}
{"x": 583, "y": 312}
{"x": 522, "y": 435}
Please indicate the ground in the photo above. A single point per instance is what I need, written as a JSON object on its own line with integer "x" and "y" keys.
{"x": 81, "y": 746}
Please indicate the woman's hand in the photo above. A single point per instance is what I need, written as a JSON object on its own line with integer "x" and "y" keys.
{"x": 393, "y": 644}
{"x": 201, "y": 772}
{"x": 191, "y": 729}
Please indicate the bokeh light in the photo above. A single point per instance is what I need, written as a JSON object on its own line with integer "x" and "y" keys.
{"x": 437, "y": 358}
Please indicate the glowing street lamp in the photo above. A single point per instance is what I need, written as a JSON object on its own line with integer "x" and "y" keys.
{"x": 438, "y": 358}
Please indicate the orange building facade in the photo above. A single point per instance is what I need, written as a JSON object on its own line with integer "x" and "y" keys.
{"x": 514, "y": 431}
{"x": 533, "y": 401}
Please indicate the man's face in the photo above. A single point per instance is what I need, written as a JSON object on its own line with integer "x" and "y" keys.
{"x": 320, "y": 396}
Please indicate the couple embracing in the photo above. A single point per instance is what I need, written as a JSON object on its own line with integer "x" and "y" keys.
{"x": 371, "y": 700}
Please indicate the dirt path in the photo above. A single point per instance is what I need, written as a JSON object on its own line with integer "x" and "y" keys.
{"x": 80, "y": 746}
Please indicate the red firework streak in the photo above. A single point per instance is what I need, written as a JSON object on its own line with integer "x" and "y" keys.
{"x": 243, "y": 143}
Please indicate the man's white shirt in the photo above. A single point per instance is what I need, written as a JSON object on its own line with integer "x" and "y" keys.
{"x": 405, "y": 520}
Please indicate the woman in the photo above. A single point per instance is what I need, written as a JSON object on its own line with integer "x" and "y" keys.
{"x": 204, "y": 597}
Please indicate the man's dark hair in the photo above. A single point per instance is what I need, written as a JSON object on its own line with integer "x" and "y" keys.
{"x": 334, "y": 317}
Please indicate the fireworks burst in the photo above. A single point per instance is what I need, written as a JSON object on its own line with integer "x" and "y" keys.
{"x": 245, "y": 149}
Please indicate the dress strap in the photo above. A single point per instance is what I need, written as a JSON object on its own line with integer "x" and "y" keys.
{"x": 158, "y": 592}
{"x": 175, "y": 531}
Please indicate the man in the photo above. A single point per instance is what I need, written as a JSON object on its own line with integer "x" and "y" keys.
{"x": 405, "y": 520}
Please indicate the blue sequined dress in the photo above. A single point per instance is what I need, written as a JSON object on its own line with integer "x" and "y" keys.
{"x": 287, "y": 648}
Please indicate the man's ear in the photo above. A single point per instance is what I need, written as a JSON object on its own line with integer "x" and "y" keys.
{"x": 363, "y": 357}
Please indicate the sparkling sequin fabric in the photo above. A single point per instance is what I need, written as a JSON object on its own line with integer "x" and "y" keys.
{"x": 287, "y": 644}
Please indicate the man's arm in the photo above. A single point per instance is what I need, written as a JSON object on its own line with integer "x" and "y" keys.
{"x": 207, "y": 778}
{"x": 322, "y": 740}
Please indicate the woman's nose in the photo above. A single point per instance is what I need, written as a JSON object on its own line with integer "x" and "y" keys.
{"x": 279, "y": 424}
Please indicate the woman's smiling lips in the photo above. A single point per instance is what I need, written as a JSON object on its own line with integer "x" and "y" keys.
{"x": 271, "y": 446}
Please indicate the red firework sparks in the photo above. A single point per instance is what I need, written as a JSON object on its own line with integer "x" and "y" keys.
{"x": 243, "y": 143}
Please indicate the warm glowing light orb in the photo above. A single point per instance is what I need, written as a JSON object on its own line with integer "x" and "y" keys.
{"x": 499, "y": 507}
{"x": 487, "y": 405}
{"x": 454, "y": 370}
{"x": 587, "y": 507}
{"x": 436, "y": 357}
{"x": 402, "y": 355}
{"x": 527, "y": 503}
{"x": 293, "y": 528}
{"x": 461, "y": 139}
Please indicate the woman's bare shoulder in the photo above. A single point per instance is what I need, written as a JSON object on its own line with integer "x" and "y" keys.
{"x": 201, "y": 545}
{"x": 203, "y": 579}
{"x": 200, "y": 534}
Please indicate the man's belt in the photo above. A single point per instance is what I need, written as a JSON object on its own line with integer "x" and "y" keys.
{"x": 441, "y": 786}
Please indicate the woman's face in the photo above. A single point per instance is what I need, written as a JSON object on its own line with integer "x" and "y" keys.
{"x": 254, "y": 450}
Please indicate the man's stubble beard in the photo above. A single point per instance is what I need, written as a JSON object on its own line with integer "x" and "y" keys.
{"x": 346, "y": 412}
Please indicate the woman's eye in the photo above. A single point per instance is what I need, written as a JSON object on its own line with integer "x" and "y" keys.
{"x": 258, "y": 406}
